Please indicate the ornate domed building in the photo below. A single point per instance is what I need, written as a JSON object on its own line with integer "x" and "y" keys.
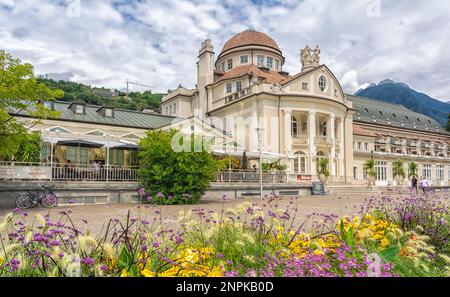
{"x": 306, "y": 116}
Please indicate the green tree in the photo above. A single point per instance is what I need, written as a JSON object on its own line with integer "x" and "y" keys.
{"x": 20, "y": 93}
{"x": 448, "y": 123}
{"x": 172, "y": 177}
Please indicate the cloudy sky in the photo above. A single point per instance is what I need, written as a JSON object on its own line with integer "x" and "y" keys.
{"x": 103, "y": 43}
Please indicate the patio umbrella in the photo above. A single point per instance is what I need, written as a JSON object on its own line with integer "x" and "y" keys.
{"x": 244, "y": 161}
{"x": 80, "y": 143}
{"x": 128, "y": 146}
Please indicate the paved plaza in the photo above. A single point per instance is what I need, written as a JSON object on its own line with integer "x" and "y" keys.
{"x": 97, "y": 215}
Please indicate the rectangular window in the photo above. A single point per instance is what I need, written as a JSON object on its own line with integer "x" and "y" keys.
{"x": 170, "y": 109}
{"x": 302, "y": 164}
{"x": 108, "y": 112}
{"x": 294, "y": 129}
{"x": 364, "y": 173}
{"x": 426, "y": 171}
{"x": 244, "y": 59}
{"x": 355, "y": 172}
{"x": 174, "y": 108}
{"x": 238, "y": 86}
{"x": 230, "y": 64}
{"x": 359, "y": 145}
{"x": 380, "y": 167}
{"x": 440, "y": 172}
{"x": 269, "y": 62}
{"x": 228, "y": 88}
{"x": 223, "y": 66}
{"x": 167, "y": 110}
{"x": 304, "y": 86}
{"x": 78, "y": 108}
{"x": 277, "y": 65}
{"x": 366, "y": 146}
{"x": 260, "y": 60}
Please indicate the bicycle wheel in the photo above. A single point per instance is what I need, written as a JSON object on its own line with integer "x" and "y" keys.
{"x": 23, "y": 201}
{"x": 49, "y": 200}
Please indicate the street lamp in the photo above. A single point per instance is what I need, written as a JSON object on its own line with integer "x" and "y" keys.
{"x": 259, "y": 131}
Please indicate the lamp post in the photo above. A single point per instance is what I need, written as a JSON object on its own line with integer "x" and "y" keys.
{"x": 259, "y": 131}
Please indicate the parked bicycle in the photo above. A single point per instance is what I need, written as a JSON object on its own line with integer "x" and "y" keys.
{"x": 44, "y": 197}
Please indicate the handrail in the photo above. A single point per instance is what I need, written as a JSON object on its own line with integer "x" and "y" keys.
{"x": 69, "y": 172}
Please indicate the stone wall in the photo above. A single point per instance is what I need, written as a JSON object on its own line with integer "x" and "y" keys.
{"x": 121, "y": 192}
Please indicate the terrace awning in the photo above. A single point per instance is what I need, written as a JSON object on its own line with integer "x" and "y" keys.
{"x": 79, "y": 143}
{"x": 126, "y": 146}
{"x": 251, "y": 155}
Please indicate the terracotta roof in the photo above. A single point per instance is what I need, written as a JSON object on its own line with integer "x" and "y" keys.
{"x": 358, "y": 130}
{"x": 270, "y": 76}
{"x": 250, "y": 37}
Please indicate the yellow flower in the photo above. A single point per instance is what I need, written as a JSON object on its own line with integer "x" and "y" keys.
{"x": 147, "y": 273}
{"x": 318, "y": 252}
{"x": 384, "y": 243}
{"x": 124, "y": 273}
{"x": 215, "y": 272}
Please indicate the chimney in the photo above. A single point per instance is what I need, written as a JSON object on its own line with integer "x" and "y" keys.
{"x": 205, "y": 75}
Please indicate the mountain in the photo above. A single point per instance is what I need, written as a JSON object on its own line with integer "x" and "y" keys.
{"x": 101, "y": 96}
{"x": 400, "y": 93}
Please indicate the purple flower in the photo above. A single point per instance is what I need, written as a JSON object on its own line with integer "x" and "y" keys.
{"x": 88, "y": 261}
{"x": 231, "y": 273}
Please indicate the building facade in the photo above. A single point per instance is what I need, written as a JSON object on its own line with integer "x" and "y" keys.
{"x": 306, "y": 116}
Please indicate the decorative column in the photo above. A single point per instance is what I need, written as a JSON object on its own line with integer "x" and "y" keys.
{"x": 340, "y": 138}
{"x": 287, "y": 137}
{"x": 253, "y": 137}
{"x": 332, "y": 139}
{"x": 312, "y": 142}
{"x": 287, "y": 131}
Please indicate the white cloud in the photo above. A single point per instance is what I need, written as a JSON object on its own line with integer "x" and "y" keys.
{"x": 157, "y": 42}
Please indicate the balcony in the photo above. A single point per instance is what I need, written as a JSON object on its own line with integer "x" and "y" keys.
{"x": 323, "y": 140}
{"x": 300, "y": 140}
{"x": 239, "y": 94}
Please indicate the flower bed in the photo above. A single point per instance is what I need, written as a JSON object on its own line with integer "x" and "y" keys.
{"x": 391, "y": 236}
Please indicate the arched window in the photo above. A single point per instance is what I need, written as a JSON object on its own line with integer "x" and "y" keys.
{"x": 322, "y": 83}
{"x": 300, "y": 163}
{"x": 294, "y": 127}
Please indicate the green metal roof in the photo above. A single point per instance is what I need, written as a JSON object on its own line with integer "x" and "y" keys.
{"x": 122, "y": 117}
{"x": 391, "y": 114}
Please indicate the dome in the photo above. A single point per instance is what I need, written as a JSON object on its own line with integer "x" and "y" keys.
{"x": 250, "y": 37}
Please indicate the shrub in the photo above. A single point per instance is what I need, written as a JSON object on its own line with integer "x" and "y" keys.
{"x": 174, "y": 177}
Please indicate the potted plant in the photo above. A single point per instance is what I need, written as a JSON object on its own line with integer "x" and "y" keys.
{"x": 398, "y": 172}
{"x": 322, "y": 170}
{"x": 412, "y": 169}
{"x": 369, "y": 166}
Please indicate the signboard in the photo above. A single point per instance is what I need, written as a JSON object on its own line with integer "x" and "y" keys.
{"x": 302, "y": 177}
{"x": 318, "y": 188}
